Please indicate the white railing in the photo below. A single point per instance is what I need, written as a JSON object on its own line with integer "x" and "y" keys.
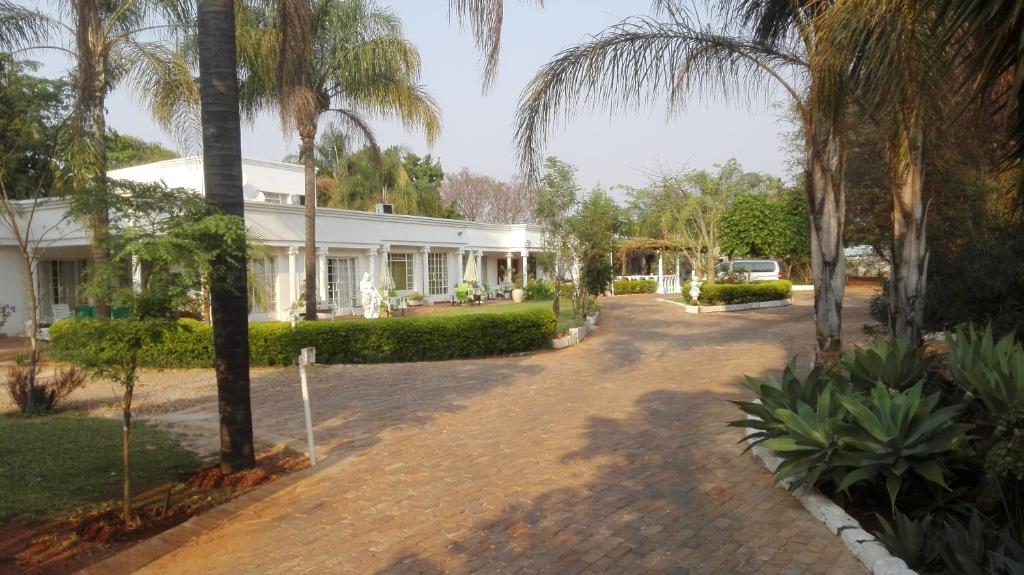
{"x": 669, "y": 284}
{"x": 647, "y": 277}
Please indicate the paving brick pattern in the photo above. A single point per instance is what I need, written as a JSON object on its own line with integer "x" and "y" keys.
{"x": 609, "y": 457}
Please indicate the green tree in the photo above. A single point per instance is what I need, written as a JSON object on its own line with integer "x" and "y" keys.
{"x": 124, "y": 151}
{"x": 557, "y": 197}
{"x": 593, "y": 229}
{"x": 32, "y": 113}
{"x": 768, "y": 226}
{"x": 110, "y": 43}
{"x": 344, "y": 58}
{"x": 761, "y": 46}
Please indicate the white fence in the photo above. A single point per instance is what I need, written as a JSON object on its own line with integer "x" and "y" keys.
{"x": 666, "y": 284}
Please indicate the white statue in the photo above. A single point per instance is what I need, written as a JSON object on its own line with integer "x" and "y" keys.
{"x": 695, "y": 288}
{"x": 371, "y": 299}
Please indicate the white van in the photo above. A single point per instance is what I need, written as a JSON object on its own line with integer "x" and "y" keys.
{"x": 754, "y": 270}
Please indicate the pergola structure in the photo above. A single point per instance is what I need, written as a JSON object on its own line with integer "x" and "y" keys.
{"x": 629, "y": 249}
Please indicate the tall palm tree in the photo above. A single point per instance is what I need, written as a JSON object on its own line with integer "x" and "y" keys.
{"x": 109, "y": 42}
{"x": 222, "y": 172}
{"x": 900, "y": 73}
{"x": 346, "y": 59}
{"x": 763, "y": 46}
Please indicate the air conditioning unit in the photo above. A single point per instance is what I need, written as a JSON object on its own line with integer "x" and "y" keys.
{"x": 385, "y": 208}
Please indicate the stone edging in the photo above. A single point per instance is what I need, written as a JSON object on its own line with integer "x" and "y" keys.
{"x": 730, "y": 307}
{"x": 576, "y": 335}
{"x": 862, "y": 544}
{"x": 802, "y": 287}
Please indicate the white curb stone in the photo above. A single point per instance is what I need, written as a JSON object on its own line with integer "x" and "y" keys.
{"x": 862, "y": 544}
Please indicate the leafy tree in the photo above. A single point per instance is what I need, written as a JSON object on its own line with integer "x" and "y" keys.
{"x": 110, "y": 43}
{"x": 32, "y": 113}
{"x": 124, "y": 151}
{"x": 557, "y": 197}
{"x": 768, "y": 226}
{"x": 593, "y": 228}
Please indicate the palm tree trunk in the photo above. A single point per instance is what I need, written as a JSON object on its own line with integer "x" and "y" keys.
{"x": 909, "y": 250}
{"x": 308, "y": 136}
{"x": 823, "y": 183}
{"x": 101, "y": 218}
{"x": 222, "y": 171}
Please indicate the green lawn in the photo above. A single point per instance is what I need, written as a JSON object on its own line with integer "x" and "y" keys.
{"x": 50, "y": 465}
{"x": 565, "y": 319}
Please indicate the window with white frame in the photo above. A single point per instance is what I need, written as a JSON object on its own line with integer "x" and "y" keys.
{"x": 275, "y": 198}
{"x": 437, "y": 272}
{"x": 401, "y": 268}
{"x": 341, "y": 281}
{"x": 263, "y": 292}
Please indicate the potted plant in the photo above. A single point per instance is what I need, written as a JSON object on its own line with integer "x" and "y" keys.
{"x": 6, "y": 310}
{"x": 416, "y": 298}
{"x": 517, "y": 290}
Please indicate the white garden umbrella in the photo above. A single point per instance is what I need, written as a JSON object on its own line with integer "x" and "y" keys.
{"x": 471, "y": 274}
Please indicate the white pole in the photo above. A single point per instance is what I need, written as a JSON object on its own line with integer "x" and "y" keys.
{"x": 307, "y": 356}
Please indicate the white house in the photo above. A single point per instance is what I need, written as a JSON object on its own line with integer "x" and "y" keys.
{"x": 424, "y": 255}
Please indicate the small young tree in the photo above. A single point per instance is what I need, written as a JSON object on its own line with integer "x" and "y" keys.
{"x": 593, "y": 229}
{"x": 556, "y": 199}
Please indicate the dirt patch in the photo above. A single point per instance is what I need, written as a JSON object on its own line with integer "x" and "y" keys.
{"x": 76, "y": 541}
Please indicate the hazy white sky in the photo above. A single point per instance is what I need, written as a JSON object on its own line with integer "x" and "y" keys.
{"x": 608, "y": 150}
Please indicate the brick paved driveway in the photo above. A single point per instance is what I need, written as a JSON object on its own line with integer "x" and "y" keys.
{"x": 611, "y": 457}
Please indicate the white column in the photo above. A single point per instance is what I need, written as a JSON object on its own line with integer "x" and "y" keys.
{"x": 385, "y": 250}
{"x": 136, "y": 274}
{"x": 508, "y": 268}
{"x": 458, "y": 257}
{"x": 321, "y": 273}
{"x": 293, "y": 276}
{"x": 526, "y": 268}
{"x": 661, "y": 273}
{"x": 611, "y": 262}
{"x": 426, "y": 271}
{"x": 372, "y": 255}
{"x": 480, "y": 267}
{"x": 679, "y": 270}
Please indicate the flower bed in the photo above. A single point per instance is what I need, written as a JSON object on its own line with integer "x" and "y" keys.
{"x": 930, "y": 460}
{"x": 189, "y": 343}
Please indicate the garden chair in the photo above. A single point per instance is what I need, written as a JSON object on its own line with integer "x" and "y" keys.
{"x": 462, "y": 293}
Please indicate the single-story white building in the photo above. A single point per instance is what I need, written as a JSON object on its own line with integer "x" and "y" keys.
{"x": 424, "y": 255}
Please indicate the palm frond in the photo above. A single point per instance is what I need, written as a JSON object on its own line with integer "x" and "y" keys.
{"x": 484, "y": 19}
{"x": 21, "y": 27}
{"x": 641, "y": 61}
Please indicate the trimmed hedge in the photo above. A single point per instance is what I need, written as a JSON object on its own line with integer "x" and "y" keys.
{"x": 727, "y": 294}
{"x": 190, "y": 343}
{"x": 626, "y": 287}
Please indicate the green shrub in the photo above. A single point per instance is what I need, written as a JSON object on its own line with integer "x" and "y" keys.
{"x": 539, "y": 289}
{"x": 565, "y": 290}
{"x": 893, "y": 363}
{"x": 727, "y": 294}
{"x": 190, "y": 343}
{"x": 626, "y": 287}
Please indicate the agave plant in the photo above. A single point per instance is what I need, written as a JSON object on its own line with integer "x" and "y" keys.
{"x": 991, "y": 370}
{"x": 773, "y": 395}
{"x": 892, "y": 362}
{"x": 890, "y": 433}
{"x": 807, "y": 443}
{"x": 906, "y": 538}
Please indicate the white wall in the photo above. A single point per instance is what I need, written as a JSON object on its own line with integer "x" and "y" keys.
{"x": 12, "y": 289}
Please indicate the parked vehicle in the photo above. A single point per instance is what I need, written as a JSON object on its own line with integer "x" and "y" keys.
{"x": 750, "y": 270}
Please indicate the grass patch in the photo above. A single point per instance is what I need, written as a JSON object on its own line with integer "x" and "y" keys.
{"x": 565, "y": 318}
{"x": 49, "y": 466}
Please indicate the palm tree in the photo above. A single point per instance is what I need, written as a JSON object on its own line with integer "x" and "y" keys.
{"x": 346, "y": 59}
{"x": 222, "y": 171}
{"x": 762, "y": 47}
{"x": 109, "y": 41}
{"x": 900, "y": 70}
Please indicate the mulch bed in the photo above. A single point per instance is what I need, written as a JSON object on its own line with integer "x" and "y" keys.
{"x": 74, "y": 542}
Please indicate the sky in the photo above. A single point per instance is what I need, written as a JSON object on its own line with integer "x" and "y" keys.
{"x": 608, "y": 150}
